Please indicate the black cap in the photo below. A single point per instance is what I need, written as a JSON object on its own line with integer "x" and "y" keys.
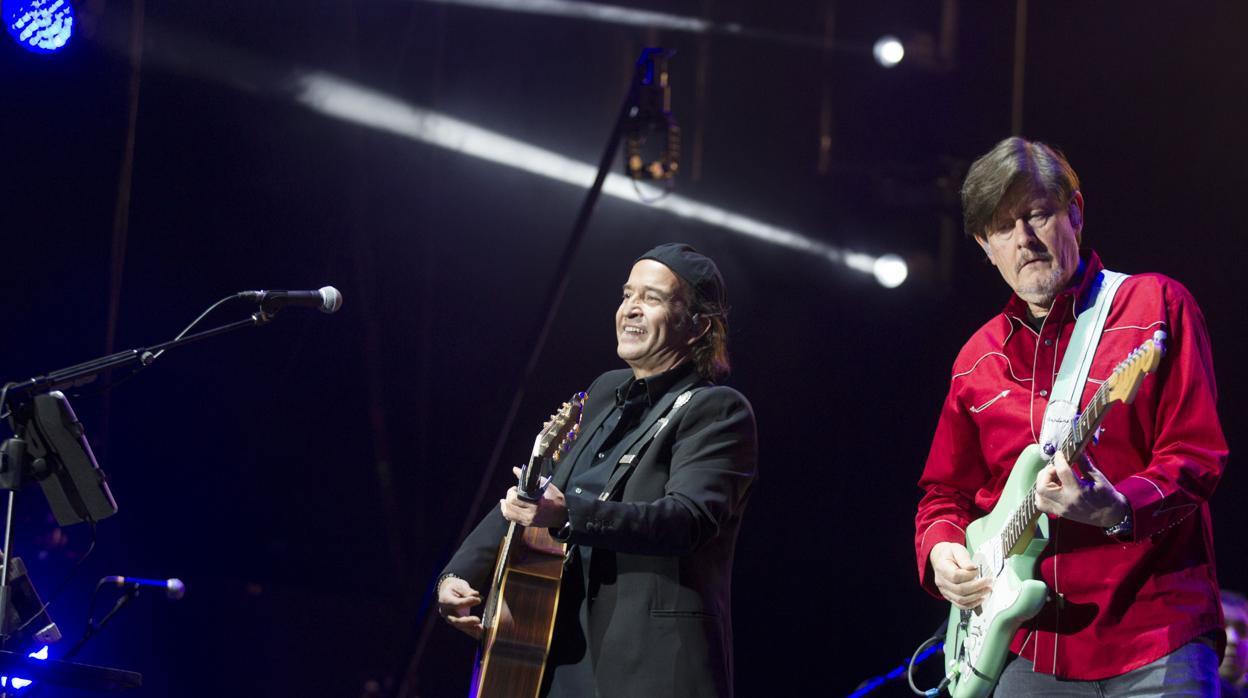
{"x": 695, "y": 269}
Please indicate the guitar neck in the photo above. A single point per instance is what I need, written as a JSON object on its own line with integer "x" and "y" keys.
{"x": 496, "y": 582}
{"x": 1084, "y": 428}
{"x": 531, "y": 478}
{"x": 529, "y": 487}
{"x": 1081, "y": 433}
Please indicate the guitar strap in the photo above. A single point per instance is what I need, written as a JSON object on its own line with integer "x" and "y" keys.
{"x": 629, "y": 460}
{"x": 1073, "y": 375}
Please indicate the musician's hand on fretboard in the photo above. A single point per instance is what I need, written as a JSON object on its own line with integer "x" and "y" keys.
{"x": 550, "y": 511}
{"x": 1092, "y": 499}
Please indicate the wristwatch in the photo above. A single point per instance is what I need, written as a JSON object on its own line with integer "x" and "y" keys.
{"x": 437, "y": 586}
{"x": 562, "y": 533}
{"x": 1122, "y": 528}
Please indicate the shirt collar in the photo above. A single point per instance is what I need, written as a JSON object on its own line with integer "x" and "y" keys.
{"x": 654, "y": 387}
{"x": 1017, "y": 309}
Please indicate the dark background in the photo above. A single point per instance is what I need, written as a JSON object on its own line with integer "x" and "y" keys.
{"x": 308, "y": 479}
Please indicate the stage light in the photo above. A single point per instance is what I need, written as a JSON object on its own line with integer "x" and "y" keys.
{"x": 41, "y": 26}
{"x": 890, "y": 270}
{"x": 888, "y": 51}
{"x": 23, "y": 683}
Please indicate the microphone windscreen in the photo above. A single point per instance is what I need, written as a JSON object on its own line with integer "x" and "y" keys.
{"x": 331, "y": 299}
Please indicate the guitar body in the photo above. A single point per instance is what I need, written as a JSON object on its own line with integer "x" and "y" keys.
{"x": 516, "y": 640}
{"x": 978, "y": 642}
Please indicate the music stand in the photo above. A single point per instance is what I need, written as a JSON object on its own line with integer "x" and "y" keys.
{"x": 26, "y": 612}
{"x": 49, "y": 446}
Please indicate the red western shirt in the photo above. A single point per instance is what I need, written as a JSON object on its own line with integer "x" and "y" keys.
{"x": 1114, "y": 605}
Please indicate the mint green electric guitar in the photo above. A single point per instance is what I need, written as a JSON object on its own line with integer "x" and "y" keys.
{"x": 1006, "y": 543}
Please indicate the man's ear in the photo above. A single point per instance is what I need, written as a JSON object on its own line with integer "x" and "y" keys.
{"x": 983, "y": 244}
{"x": 702, "y": 325}
{"x": 1076, "y": 215}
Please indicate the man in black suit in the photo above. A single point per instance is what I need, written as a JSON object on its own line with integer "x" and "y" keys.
{"x": 649, "y": 499}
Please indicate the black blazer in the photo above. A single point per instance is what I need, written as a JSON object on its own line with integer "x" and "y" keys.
{"x": 660, "y": 620}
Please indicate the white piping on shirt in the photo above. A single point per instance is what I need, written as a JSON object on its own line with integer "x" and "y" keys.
{"x": 991, "y": 353}
{"x": 1166, "y": 510}
{"x": 923, "y": 538}
{"x": 1023, "y": 647}
{"x": 1134, "y": 327}
{"x": 1055, "y": 527}
{"x": 1078, "y": 398}
{"x": 1057, "y": 610}
{"x": 986, "y": 405}
{"x": 1031, "y": 404}
{"x": 1022, "y": 323}
{"x": 1126, "y": 327}
{"x": 1163, "y": 494}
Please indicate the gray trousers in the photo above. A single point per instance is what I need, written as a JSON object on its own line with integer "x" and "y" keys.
{"x": 1191, "y": 670}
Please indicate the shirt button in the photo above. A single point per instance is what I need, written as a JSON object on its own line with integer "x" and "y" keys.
{"x": 1048, "y": 342}
{"x": 602, "y": 455}
{"x": 578, "y": 490}
{"x": 1044, "y": 393}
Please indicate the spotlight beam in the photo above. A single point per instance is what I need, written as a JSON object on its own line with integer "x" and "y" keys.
{"x": 341, "y": 99}
{"x": 347, "y": 101}
{"x": 627, "y": 16}
{"x": 598, "y": 12}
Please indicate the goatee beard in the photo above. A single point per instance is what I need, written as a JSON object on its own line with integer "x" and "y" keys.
{"x": 1043, "y": 291}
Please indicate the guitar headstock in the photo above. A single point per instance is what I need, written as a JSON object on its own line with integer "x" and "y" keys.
{"x": 1125, "y": 381}
{"x": 560, "y": 430}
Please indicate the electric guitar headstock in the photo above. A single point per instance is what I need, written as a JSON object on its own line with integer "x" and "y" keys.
{"x": 552, "y": 442}
{"x": 1124, "y": 382}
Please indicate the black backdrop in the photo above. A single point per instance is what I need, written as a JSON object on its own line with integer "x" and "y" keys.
{"x": 308, "y": 479}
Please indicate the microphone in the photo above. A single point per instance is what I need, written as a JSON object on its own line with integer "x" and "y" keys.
{"x": 650, "y": 126}
{"x": 327, "y": 299}
{"x": 174, "y": 588}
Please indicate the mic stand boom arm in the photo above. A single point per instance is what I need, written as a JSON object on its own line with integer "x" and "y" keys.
{"x": 83, "y": 373}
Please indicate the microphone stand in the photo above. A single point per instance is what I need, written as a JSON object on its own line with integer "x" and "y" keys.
{"x": 85, "y": 372}
{"x": 89, "y": 631}
{"x": 92, "y": 629}
{"x": 16, "y": 466}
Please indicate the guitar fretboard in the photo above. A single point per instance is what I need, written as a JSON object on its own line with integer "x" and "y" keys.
{"x": 1081, "y": 432}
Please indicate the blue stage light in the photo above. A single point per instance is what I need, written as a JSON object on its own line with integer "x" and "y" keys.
{"x": 42, "y": 26}
{"x": 23, "y": 683}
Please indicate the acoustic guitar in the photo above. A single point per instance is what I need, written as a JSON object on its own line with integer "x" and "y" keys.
{"x": 519, "y": 614}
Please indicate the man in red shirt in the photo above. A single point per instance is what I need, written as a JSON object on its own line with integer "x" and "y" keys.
{"x": 1133, "y": 602}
